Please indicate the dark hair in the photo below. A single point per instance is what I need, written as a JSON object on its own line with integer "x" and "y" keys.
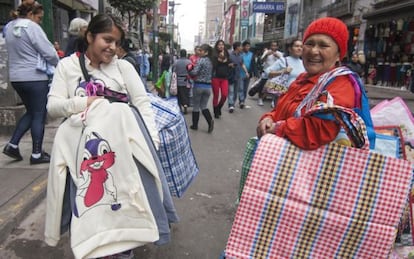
{"x": 207, "y": 48}
{"x": 218, "y": 42}
{"x": 183, "y": 53}
{"x": 127, "y": 45}
{"x": 291, "y": 43}
{"x": 246, "y": 42}
{"x": 273, "y": 41}
{"x": 103, "y": 23}
{"x": 236, "y": 45}
{"x": 226, "y": 52}
{"x": 24, "y": 9}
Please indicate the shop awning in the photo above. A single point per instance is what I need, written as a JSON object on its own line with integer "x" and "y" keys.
{"x": 390, "y": 10}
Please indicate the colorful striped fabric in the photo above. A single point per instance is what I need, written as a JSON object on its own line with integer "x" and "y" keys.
{"x": 333, "y": 202}
{"x": 247, "y": 161}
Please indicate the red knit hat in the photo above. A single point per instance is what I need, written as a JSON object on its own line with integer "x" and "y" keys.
{"x": 332, "y": 27}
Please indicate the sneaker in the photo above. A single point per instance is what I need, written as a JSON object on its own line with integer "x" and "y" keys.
{"x": 253, "y": 91}
{"x": 241, "y": 105}
{"x": 260, "y": 102}
{"x": 44, "y": 158}
{"x": 12, "y": 152}
{"x": 231, "y": 109}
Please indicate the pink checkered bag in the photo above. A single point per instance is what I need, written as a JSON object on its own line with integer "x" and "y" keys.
{"x": 333, "y": 202}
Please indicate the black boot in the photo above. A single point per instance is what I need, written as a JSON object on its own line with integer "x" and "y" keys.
{"x": 209, "y": 119}
{"x": 219, "y": 109}
{"x": 216, "y": 112}
{"x": 196, "y": 116}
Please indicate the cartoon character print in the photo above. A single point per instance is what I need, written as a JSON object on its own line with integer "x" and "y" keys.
{"x": 96, "y": 184}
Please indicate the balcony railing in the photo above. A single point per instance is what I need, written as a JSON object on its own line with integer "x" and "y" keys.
{"x": 341, "y": 9}
{"x": 273, "y": 34}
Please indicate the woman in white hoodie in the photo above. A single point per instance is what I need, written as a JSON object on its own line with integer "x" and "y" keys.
{"x": 104, "y": 151}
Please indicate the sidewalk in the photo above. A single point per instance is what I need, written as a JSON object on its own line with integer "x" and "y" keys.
{"x": 22, "y": 186}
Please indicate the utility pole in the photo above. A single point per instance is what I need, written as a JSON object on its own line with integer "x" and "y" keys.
{"x": 171, "y": 14}
{"x": 155, "y": 41}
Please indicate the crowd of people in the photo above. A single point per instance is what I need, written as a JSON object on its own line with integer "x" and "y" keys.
{"x": 110, "y": 62}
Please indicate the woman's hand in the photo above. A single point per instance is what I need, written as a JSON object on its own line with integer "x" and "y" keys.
{"x": 265, "y": 126}
{"x": 91, "y": 99}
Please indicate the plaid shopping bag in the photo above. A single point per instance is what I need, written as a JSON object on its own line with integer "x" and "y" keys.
{"x": 333, "y": 202}
{"x": 247, "y": 161}
{"x": 175, "y": 151}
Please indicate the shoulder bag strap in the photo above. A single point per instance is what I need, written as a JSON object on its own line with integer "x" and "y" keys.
{"x": 83, "y": 67}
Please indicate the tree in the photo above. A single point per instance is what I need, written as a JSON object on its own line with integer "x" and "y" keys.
{"x": 132, "y": 9}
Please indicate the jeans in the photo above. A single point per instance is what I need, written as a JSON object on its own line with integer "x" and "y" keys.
{"x": 34, "y": 97}
{"x": 144, "y": 82}
{"x": 233, "y": 91}
{"x": 243, "y": 89}
{"x": 220, "y": 85}
{"x": 200, "y": 98}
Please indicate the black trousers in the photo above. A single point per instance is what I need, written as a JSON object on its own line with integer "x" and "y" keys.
{"x": 183, "y": 95}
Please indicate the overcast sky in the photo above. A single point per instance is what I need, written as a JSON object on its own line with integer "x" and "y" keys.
{"x": 188, "y": 14}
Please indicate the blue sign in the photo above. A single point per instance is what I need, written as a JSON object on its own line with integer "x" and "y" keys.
{"x": 268, "y": 7}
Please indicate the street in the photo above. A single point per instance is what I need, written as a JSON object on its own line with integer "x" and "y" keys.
{"x": 207, "y": 208}
{"x": 206, "y": 211}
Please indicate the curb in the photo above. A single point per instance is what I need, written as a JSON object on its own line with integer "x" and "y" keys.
{"x": 17, "y": 208}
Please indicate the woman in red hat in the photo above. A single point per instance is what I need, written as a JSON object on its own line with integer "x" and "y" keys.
{"x": 324, "y": 45}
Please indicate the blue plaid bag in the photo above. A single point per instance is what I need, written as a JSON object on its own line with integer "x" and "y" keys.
{"x": 175, "y": 152}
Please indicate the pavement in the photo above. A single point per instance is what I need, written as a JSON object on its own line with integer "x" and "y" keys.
{"x": 23, "y": 186}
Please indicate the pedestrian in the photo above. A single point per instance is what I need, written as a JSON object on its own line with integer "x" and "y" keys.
{"x": 236, "y": 63}
{"x": 60, "y": 53}
{"x": 25, "y": 42}
{"x": 143, "y": 61}
{"x": 124, "y": 52}
{"x": 202, "y": 87}
{"x": 219, "y": 82}
{"x": 269, "y": 56}
{"x": 248, "y": 71}
{"x": 111, "y": 213}
{"x": 165, "y": 63}
{"x": 180, "y": 69}
{"x": 14, "y": 14}
{"x": 193, "y": 58}
{"x": 77, "y": 28}
{"x": 355, "y": 66}
{"x": 291, "y": 65}
{"x": 324, "y": 45}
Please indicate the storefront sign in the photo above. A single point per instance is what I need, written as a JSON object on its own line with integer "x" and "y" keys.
{"x": 268, "y": 7}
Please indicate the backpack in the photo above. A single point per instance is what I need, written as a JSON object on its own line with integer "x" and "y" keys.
{"x": 175, "y": 152}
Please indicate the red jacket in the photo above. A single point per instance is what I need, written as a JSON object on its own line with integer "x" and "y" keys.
{"x": 310, "y": 132}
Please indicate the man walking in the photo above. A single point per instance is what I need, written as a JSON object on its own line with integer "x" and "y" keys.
{"x": 268, "y": 58}
{"x": 247, "y": 72}
{"x": 236, "y": 63}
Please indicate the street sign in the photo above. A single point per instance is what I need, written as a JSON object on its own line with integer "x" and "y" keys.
{"x": 268, "y": 7}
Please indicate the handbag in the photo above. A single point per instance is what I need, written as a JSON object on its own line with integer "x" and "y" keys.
{"x": 173, "y": 83}
{"x": 278, "y": 85}
{"x": 332, "y": 202}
